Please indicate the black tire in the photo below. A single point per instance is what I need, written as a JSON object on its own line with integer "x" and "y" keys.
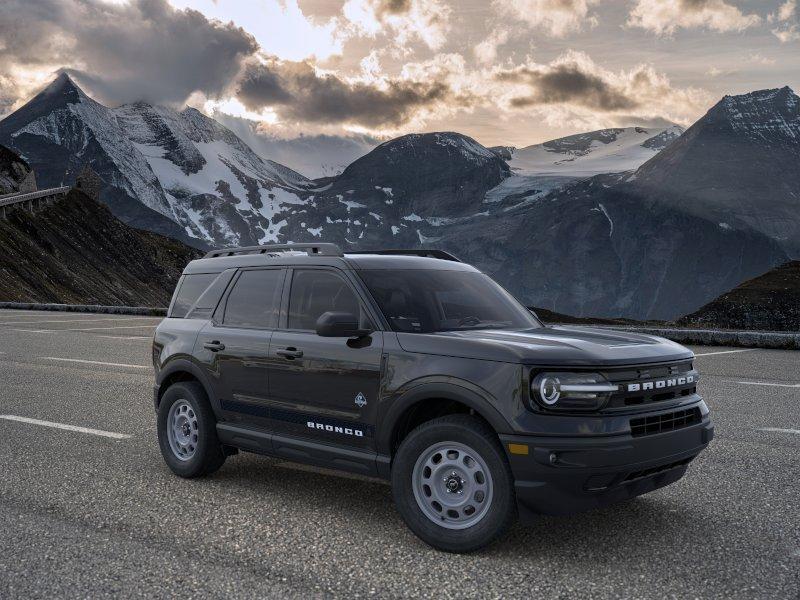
{"x": 208, "y": 455}
{"x": 475, "y": 434}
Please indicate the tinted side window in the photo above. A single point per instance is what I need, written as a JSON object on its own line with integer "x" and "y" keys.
{"x": 315, "y": 292}
{"x": 253, "y": 301}
{"x": 191, "y": 287}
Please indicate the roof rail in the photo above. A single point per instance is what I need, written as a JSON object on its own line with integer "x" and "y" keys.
{"x": 440, "y": 254}
{"x": 311, "y": 249}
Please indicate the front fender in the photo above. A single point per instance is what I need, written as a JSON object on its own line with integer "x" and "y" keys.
{"x": 446, "y": 388}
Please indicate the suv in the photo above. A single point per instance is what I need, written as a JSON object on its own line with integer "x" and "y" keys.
{"x": 415, "y": 367}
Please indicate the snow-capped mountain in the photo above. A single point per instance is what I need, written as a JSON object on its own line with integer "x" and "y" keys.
{"x": 593, "y": 153}
{"x": 175, "y": 172}
{"x": 717, "y": 206}
{"x": 571, "y": 225}
{"x": 540, "y": 169}
{"x": 408, "y": 184}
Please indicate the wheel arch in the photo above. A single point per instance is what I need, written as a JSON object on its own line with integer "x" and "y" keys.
{"x": 183, "y": 370}
{"x": 396, "y": 420}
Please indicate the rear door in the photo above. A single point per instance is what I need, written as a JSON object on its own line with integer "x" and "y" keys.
{"x": 324, "y": 389}
{"x": 233, "y": 346}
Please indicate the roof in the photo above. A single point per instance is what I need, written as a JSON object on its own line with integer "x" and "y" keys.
{"x": 324, "y": 255}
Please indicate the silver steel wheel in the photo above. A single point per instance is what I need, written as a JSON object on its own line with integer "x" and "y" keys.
{"x": 182, "y": 430}
{"x": 452, "y": 485}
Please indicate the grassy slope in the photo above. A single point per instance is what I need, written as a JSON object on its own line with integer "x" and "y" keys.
{"x": 76, "y": 252}
{"x": 768, "y": 302}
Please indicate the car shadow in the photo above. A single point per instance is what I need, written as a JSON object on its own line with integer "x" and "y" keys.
{"x": 365, "y": 506}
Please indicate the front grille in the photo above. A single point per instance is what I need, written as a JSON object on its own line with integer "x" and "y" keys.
{"x": 658, "y": 469}
{"x": 650, "y": 384}
{"x": 665, "y": 422}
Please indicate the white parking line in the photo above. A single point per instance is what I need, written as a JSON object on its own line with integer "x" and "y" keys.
{"x": 726, "y": 352}
{"x": 779, "y": 430}
{"x": 95, "y": 362}
{"x": 70, "y": 321}
{"x": 786, "y": 385}
{"x": 100, "y": 432}
{"x": 85, "y": 328}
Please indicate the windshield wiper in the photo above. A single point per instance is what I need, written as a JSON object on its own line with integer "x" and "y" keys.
{"x": 481, "y": 325}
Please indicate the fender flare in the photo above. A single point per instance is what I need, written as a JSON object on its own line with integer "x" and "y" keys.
{"x": 186, "y": 365}
{"x": 459, "y": 391}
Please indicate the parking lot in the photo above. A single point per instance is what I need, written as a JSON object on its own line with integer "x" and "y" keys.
{"x": 88, "y": 508}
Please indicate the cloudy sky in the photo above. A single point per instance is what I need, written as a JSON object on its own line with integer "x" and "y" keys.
{"x": 503, "y": 71}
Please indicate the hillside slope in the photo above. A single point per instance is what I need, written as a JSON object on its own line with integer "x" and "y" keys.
{"x": 770, "y": 301}
{"x": 599, "y": 249}
{"x": 76, "y": 252}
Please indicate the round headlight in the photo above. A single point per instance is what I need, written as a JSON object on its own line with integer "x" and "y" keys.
{"x": 549, "y": 390}
{"x": 571, "y": 391}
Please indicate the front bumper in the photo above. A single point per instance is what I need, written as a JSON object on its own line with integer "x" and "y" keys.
{"x": 561, "y": 475}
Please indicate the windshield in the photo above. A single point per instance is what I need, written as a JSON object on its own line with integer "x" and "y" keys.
{"x": 430, "y": 301}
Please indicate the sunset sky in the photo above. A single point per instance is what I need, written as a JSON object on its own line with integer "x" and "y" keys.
{"x": 503, "y": 71}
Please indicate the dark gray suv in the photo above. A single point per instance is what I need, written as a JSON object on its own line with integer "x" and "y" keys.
{"x": 417, "y": 368}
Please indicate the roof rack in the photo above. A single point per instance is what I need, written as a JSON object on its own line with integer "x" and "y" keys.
{"x": 311, "y": 249}
{"x": 440, "y": 254}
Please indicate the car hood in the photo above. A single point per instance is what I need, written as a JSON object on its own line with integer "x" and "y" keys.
{"x": 552, "y": 345}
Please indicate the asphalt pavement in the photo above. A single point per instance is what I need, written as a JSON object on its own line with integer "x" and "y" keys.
{"x": 88, "y": 508}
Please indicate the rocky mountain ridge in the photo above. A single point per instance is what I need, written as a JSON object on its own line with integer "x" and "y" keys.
{"x": 16, "y": 175}
{"x": 738, "y": 166}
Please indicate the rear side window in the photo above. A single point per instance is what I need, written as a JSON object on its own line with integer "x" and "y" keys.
{"x": 254, "y": 299}
{"x": 315, "y": 292}
{"x": 189, "y": 290}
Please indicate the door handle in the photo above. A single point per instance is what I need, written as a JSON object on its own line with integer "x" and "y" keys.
{"x": 290, "y": 353}
{"x": 214, "y": 346}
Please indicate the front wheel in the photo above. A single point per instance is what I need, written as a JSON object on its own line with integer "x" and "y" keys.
{"x": 452, "y": 484}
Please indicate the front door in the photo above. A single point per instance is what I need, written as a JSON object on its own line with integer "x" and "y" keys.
{"x": 234, "y": 346}
{"x": 324, "y": 389}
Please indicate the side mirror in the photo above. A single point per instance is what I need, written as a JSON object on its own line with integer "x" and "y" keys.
{"x": 340, "y": 324}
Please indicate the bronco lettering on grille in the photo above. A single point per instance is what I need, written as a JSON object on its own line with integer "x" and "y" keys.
{"x": 660, "y": 384}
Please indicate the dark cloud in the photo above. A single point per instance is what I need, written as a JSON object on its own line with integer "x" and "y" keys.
{"x": 141, "y": 50}
{"x": 392, "y": 7}
{"x": 567, "y": 83}
{"x": 296, "y": 91}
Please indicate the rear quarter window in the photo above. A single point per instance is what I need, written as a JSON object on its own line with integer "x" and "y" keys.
{"x": 188, "y": 291}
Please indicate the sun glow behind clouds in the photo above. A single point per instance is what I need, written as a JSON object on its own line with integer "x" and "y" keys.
{"x": 279, "y": 27}
{"x": 235, "y": 108}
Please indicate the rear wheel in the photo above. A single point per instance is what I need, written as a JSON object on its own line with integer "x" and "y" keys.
{"x": 187, "y": 431}
{"x": 452, "y": 484}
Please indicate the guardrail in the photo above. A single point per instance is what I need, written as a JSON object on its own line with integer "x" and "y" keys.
{"x": 9, "y": 199}
{"x": 87, "y": 308}
{"x": 31, "y": 198}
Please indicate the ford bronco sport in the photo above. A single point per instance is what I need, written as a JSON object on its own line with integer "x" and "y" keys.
{"x": 415, "y": 367}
